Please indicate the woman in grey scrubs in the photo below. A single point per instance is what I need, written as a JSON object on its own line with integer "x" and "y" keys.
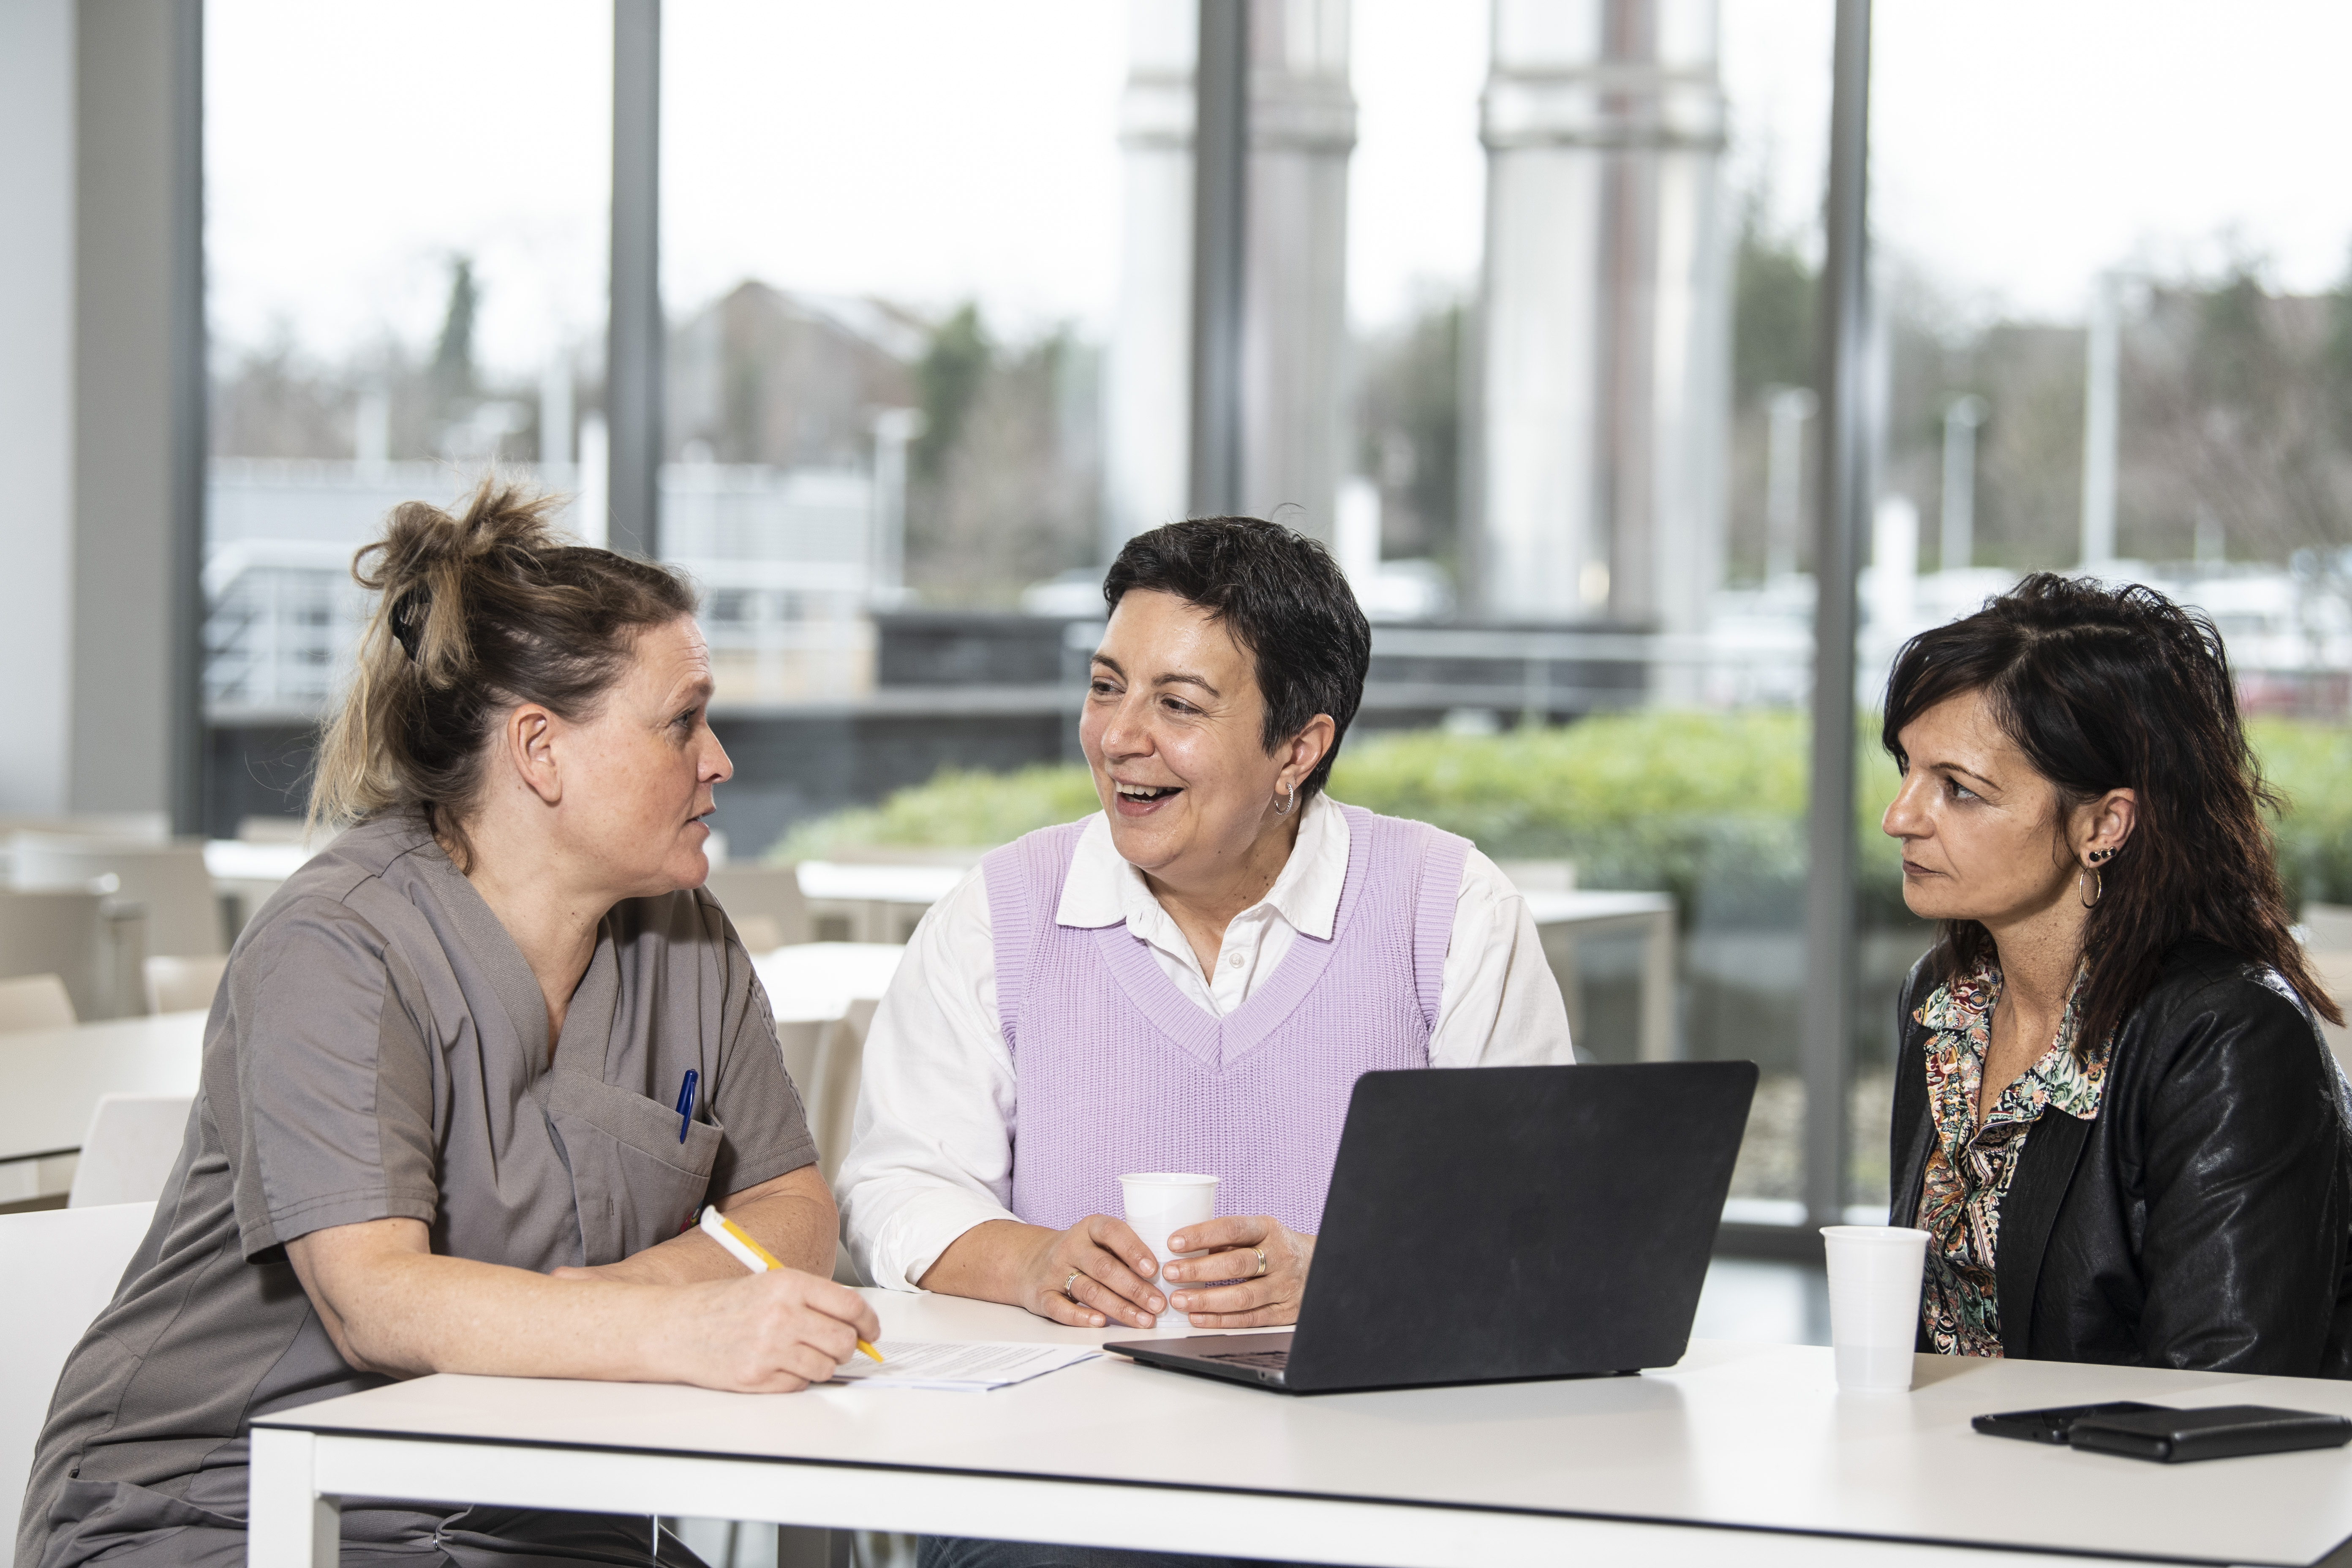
{"x": 469, "y": 1078}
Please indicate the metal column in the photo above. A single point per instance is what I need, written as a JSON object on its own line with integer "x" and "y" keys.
{"x": 186, "y": 367}
{"x": 633, "y": 364}
{"x": 1219, "y": 194}
{"x": 1842, "y": 513}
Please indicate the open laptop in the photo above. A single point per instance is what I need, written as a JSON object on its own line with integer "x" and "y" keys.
{"x": 1490, "y": 1224}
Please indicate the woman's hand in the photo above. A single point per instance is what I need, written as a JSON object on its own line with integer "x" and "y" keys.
{"x": 775, "y": 1332}
{"x": 1265, "y": 1261}
{"x": 1092, "y": 1272}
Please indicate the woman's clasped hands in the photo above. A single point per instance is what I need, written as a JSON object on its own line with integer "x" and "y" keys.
{"x": 1252, "y": 1274}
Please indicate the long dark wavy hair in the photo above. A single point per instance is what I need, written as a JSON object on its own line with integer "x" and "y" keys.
{"x": 2121, "y": 688}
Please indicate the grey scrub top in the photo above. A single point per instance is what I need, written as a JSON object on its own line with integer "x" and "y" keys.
{"x": 378, "y": 1048}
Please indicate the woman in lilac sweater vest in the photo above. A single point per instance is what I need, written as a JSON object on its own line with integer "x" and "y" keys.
{"x": 1191, "y": 980}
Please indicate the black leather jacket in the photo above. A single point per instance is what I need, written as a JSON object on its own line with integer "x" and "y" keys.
{"x": 2203, "y": 1219}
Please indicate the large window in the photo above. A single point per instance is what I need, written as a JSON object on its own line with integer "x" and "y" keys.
{"x": 405, "y": 253}
{"x": 2114, "y": 325}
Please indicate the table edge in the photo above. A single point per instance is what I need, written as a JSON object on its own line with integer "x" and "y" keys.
{"x": 287, "y": 1420}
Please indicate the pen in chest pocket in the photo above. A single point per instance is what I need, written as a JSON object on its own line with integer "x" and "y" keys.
{"x": 686, "y": 1103}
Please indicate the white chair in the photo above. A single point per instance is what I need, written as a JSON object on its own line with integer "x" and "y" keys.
{"x": 764, "y": 902}
{"x": 168, "y": 881}
{"x": 71, "y": 936}
{"x": 833, "y": 1082}
{"x": 64, "y": 1264}
{"x": 34, "y": 1002}
{"x": 2328, "y": 949}
{"x": 183, "y": 985}
{"x": 133, "y": 1142}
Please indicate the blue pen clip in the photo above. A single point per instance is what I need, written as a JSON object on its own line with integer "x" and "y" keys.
{"x": 686, "y": 1103}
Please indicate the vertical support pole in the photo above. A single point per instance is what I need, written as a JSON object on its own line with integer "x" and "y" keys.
{"x": 632, "y": 363}
{"x": 1842, "y": 508}
{"x": 186, "y": 369}
{"x": 135, "y": 730}
{"x": 1788, "y": 409}
{"x": 1220, "y": 197}
{"x": 2099, "y": 423}
{"x": 1658, "y": 987}
{"x": 288, "y": 1523}
{"x": 895, "y": 430}
{"x": 1962, "y": 414}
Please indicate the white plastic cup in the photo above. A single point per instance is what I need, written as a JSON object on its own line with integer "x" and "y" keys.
{"x": 1160, "y": 1203}
{"x": 1875, "y": 1275}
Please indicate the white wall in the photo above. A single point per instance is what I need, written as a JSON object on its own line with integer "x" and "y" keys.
{"x": 36, "y": 453}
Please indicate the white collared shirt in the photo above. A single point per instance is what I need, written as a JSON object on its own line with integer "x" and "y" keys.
{"x": 931, "y": 1152}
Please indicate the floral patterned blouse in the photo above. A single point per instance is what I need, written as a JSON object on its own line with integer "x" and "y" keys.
{"x": 1971, "y": 1163}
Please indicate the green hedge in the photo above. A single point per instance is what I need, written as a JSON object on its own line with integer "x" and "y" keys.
{"x": 1708, "y": 806}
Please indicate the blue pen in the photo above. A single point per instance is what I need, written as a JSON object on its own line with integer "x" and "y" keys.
{"x": 686, "y": 1103}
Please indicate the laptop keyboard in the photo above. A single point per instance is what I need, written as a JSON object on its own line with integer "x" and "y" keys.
{"x": 1270, "y": 1361}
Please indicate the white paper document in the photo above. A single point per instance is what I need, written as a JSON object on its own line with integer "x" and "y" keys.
{"x": 964, "y": 1366}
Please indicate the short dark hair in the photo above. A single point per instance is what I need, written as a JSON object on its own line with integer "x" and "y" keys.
{"x": 2121, "y": 688}
{"x": 1282, "y": 598}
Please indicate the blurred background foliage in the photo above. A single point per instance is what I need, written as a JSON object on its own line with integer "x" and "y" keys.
{"x": 1708, "y": 806}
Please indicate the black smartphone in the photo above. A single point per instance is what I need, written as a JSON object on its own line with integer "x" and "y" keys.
{"x": 2052, "y": 1426}
{"x": 2223, "y": 1432}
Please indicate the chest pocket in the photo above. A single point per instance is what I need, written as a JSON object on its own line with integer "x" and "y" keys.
{"x": 632, "y": 1182}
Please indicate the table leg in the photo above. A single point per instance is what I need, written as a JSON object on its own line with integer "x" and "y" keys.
{"x": 288, "y": 1523}
{"x": 1658, "y": 989}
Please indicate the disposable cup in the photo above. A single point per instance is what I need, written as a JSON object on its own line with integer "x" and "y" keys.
{"x": 1160, "y": 1203}
{"x": 1875, "y": 1271}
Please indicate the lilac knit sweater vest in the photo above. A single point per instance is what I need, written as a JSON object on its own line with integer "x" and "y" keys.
{"x": 1117, "y": 1072}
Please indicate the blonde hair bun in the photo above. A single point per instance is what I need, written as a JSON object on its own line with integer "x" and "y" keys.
{"x": 476, "y": 610}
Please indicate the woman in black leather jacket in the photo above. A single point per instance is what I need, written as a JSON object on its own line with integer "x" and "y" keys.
{"x": 2114, "y": 1111}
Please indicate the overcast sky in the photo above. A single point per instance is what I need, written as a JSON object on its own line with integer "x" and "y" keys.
{"x": 930, "y": 149}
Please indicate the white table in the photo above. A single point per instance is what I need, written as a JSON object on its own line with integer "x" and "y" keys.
{"x": 50, "y": 1079}
{"x": 1574, "y": 915}
{"x": 1742, "y": 1454}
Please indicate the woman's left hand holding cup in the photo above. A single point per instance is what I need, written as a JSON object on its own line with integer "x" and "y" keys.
{"x": 1263, "y": 1262}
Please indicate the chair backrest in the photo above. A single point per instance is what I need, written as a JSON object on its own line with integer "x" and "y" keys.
{"x": 2327, "y": 927}
{"x": 34, "y": 1002}
{"x": 65, "y": 1265}
{"x": 63, "y": 934}
{"x": 132, "y": 1142}
{"x": 798, "y": 1039}
{"x": 833, "y": 1086}
{"x": 183, "y": 985}
{"x": 183, "y": 912}
{"x": 764, "y": 902}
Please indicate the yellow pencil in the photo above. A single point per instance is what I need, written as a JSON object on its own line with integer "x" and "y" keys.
{"x": 750, "y": 1253}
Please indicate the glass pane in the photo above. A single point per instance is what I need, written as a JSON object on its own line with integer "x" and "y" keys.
{"x": 890, "y": 263}
{"x": 405, "y": 253}
{"x": 2115, "y": 339}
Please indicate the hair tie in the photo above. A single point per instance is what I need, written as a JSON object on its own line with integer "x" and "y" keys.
{"x": 408, "y": 614}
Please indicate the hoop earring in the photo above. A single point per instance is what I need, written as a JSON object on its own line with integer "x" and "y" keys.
{"x": 2098, "y": 886}
{"x": 1290, "y": 800}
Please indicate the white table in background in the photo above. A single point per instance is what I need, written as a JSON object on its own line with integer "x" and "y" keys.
{"x": 880, "y": 903}
{"x": 50, "y": 1079}
{"x": 1743, "y": 1454}
{"x": 1576, "y": 915}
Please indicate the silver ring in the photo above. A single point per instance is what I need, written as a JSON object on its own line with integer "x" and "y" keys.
{"x": 1261, "y": 1258}
{"x": 1068, "y": 1283}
